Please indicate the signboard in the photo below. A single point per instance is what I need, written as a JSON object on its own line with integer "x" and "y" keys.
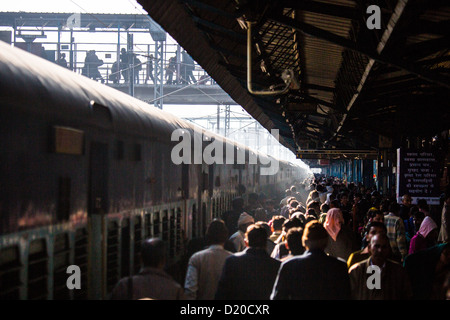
{"x": 324, "y": 162}
{"x": 417, "y": 175}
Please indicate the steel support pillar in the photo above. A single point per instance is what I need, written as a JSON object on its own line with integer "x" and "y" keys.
{"x": 227, "y": 120}
{"x": 159, "y": 73}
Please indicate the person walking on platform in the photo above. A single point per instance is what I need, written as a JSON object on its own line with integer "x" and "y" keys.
{"x": 428, "y": 270}
{"x": 152, "y": 282}
{"x": 124, "y": 64}
{"x": 396, "y": 233}
{"x": 62, "y": 60}
{"x": 405, "y": 207}
{"x": 170, "y": 70}
{"x": 205, "y": 267}
{"x": 284, "y": 201}
{"x": 378, "y": 278}
{"x": 137, "y": 67}
{"x": 313, "y": 275}
{"x": 231, "y": 217}
{"x": 249, "y": 275}
{"x": 277, "y": 227}
{"x": 444, "y": 232}
{"x": 426, "y": 237}
{"x": 149, "y": 69}
{"x": 238, "y": 238}
{"x": 341, "y": 240}
{"x": 187, "y": 68}
{"x": 372, "y": 229}
{"x": 294, "y": 243}
{"x": 91, "y": 64}
{"x": 115, "y": 73}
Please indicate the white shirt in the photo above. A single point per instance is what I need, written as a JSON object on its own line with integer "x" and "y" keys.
{"x": 204, "y": 271}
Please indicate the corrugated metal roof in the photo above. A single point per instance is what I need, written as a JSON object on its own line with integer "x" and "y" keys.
{"x": 334, "y": 54}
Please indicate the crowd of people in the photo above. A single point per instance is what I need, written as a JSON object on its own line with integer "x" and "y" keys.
{"x": 177, "y": 70}
{"x": 324, "y": 239}
{"x": 185, "y": 68}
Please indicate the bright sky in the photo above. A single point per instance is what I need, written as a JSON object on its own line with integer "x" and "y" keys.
{"x": 75, "y": 6}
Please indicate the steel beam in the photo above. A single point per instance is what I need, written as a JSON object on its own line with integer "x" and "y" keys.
{"x": 159, "y": 74}
{"x": 351, "y": 45}
{"x": 322, "y": 8}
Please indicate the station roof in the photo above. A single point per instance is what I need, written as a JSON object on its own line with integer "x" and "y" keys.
{"x": 359, "y": 89}
{"x": 86, "y": 20}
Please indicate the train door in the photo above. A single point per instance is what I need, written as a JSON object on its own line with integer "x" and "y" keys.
{"x": 97, "y": 208}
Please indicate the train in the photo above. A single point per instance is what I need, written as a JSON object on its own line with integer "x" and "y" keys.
{"x": 87, "y": 173}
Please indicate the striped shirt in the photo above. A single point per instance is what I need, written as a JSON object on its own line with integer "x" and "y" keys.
{"x": 397, "y": 235}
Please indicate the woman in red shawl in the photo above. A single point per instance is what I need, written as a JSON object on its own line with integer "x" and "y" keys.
{"x": 426, "y": 237}
{"x": 341, "y": 242}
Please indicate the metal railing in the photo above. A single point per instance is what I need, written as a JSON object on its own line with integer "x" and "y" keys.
{"x": 104, "y": 64}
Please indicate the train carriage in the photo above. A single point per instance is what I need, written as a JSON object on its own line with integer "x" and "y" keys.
{"x": 86, "y": 174}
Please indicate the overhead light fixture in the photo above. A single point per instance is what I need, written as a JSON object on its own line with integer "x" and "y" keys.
{"x": 263, "y": 66}
{"x": 289, "y": 78}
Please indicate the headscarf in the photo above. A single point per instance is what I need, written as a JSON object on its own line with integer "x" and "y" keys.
{"x": 333, "y": 222}
{"x": 245, "y": 218}
{"x": 427, "y": 226}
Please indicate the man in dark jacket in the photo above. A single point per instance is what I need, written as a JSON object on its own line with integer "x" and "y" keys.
{"x": 231, "y": 217}
{"x": 313, "y": 275}
{"x": 250, "y": 274}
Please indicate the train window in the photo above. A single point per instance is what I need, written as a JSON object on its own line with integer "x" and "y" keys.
{"x": 98, "y": 177}
{"x": 165, "y": 226}
{"x": 136, "y": 153}
{"x": 172, "y": 233}
{"x": 258, "y": 175}
{"x": 203, "y": 222}
{"x": 10, "y": 273}
{"x": 37, "y": 270}
{"x": 148, "y": 225}
{"x": 112, "y": 253}
{"x": 137, "y": 243}
{"x": 165, "y": 235}
{"x": 156, "y": 225}
{"x": 221, "y": 203}
{"x": 125, "y": 246}
{"x": 120, "y": 150}
{"x": 194, "y": 221}
{"x": 80, "y": 259}
{"x": 67, "y": 140}
{"x": 61, "y": 259}
{"x": 63, "y": 212}
{"x": 179, "y": 235}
